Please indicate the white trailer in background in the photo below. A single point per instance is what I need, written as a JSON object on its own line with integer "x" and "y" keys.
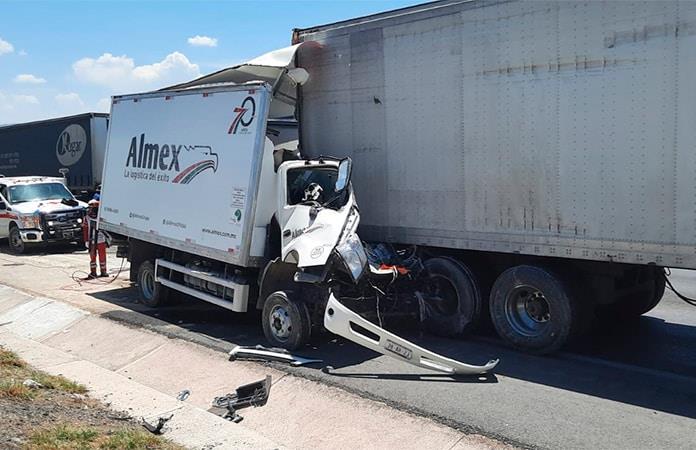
{"x": 547, "y": 146}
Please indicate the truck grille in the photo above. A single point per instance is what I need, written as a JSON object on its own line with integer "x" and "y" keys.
{"x": 62, "y": 225}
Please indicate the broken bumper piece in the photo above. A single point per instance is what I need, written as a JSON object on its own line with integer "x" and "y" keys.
{"x": 342, "y": 321}
{"x": 261, "y": 353}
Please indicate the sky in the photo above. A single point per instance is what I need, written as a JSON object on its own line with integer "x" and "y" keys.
{"x": 67, "y": 57}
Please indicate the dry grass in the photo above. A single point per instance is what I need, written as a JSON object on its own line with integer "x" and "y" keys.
{"x": 13, "y": 372}
{"x": 69, "y": 437}
{"x": 15, "y": 390}
{"x": 10, "y": 360}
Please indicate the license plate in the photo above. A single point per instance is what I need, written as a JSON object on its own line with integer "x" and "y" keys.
{"x": 398, "y": 349}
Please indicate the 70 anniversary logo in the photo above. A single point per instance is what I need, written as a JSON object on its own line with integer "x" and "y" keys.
{"x": 245, "y": 115}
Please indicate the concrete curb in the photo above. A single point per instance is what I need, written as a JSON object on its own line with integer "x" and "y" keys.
{"x": 25, "y": 325}
{"x": 140, "y": 372}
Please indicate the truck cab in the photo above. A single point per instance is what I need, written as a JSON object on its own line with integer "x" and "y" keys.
{"x": 36, "y": 210}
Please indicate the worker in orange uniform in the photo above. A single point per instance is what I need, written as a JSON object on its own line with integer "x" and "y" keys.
{"x": 96, "y": 241}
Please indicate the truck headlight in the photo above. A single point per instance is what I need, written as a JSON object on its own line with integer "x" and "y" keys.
{"x": 30, "y": 221}
{"x": 353, "y": 254}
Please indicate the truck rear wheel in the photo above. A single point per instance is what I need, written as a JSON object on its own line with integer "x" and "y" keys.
{"x": 152, "y": 293}
{"x": 286, "y": 322}
{"x": 17, "y": 245}
{"x": 533, "y": 310}
{"x": 452, "y": 305}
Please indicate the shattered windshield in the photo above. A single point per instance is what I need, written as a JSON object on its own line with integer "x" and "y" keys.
{"x": 303, "y": 182}
{"x": 36, "y": 192}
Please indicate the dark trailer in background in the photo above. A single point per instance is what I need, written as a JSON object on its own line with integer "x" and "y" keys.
{"x": 50, "y": 147}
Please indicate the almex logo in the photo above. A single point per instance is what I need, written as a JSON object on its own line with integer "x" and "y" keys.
{"x": 163, "y": 162}
{"x": 244, "y": 115}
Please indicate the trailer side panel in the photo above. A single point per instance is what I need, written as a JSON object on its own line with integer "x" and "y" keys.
{"x": 544, "y": 128}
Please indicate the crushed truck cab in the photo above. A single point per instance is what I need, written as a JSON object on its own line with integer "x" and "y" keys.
{"x": 205, "y": 204}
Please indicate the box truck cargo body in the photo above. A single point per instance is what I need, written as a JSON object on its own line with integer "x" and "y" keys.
{"x": 530, "y": 140}
{"x": 192, "y": 191}
{"x": 74, "y": 145}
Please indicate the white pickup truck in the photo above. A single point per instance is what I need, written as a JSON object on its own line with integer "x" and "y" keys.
{"x": 37, "y": 210}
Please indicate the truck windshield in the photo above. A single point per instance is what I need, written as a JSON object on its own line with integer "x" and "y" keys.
{"x": 301, "y": 179}
{"x": 35, "y": 192}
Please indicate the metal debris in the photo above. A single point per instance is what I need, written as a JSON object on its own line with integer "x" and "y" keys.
{"x": 156, "y": 429}
{"x": 253, "y": 394}
{"x": 31, "y": 384}
{"x": 261, "y": 353}
{"x": 183, "y": 395}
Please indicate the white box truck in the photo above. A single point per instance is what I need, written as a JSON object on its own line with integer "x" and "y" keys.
{"x": 210, "y": 210}
{"x": 545, "y": 145}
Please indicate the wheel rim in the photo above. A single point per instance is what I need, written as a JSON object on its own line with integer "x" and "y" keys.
{"x": 281, "y": 323}
{"x": 16, "y": 240}
{"x": 527, "y": 311}
{"x": 147, "y": 284}
{"x": 444, "y": 295}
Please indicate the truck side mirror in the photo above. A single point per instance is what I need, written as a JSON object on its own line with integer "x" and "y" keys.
{"x": 345, "y": 168}
{"x": 3, "y": 205}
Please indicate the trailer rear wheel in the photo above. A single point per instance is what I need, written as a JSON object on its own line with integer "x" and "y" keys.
{"x": 286, "y": 321}
{"x": 152, "y": 293}
{"x": 639, "y": 303}
{"x": 533, "y": 310}
{"x": 452, "y": 302}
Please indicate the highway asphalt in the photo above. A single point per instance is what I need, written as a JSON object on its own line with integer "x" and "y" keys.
{"x": 628, "y": 385}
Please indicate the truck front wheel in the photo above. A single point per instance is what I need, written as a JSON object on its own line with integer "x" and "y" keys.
{"x": 286, "y": 322}
{"x": 533, "y": 310}
{"x": 17, "y": 245}
{"x": 152, "y": 293}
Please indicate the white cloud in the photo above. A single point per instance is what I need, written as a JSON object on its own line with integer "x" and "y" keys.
{"x": 28, "y": 79}
{"x": 25, "y": 99}
{"x": 16, "y": 108}
{"x": 120, "y": 72}
{"x": 22, "y": 53}
{"x": 68, "y": 104}
{"x": 70, "y": 99}
{"x": 202, "y": 41}
{"x": 104, "y": 105}
{"x": 5, "y": 47}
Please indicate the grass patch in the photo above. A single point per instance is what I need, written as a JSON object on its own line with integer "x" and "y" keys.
{"x": 14, "y": 390}
{"x": 133, "y": 439}
{"x": 63, "y": 437}
{"x": 71, "y": 437}
{"x": 13, "y": 372}
{"x": 56, "y": 382}
{"x": 9, "y": 359}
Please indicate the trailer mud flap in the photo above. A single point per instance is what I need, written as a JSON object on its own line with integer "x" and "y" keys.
{"x": 342, "y": 321}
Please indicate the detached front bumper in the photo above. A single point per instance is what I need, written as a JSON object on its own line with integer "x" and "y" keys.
{"x": 340, "y": 320}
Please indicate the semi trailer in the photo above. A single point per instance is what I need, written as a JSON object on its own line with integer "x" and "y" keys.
{"x": 72, "y": 147}
{"x": 205, "y": 205}
{"x": 540, "y": 152}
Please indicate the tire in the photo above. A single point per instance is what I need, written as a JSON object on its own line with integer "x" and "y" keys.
{"x": 17, "y": 246}
{"x": 457, "y": 309}
{"x": 152, "y": 294}
{"x": 286, "y": 322}
{"x": 639, "y": 303}
{"x": 533, "y": 310}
